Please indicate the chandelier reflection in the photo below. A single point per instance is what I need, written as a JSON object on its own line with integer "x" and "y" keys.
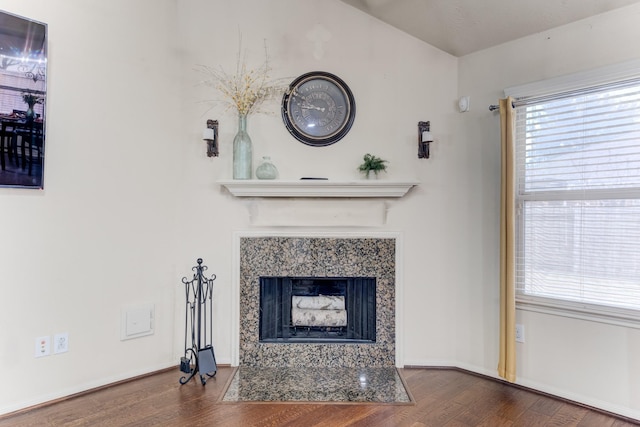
{"x": 31, "y": 68}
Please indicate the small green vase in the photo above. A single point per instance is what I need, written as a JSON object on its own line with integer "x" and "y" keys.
{"x": 30, "y": 114}
{"x": 266, "y": 170}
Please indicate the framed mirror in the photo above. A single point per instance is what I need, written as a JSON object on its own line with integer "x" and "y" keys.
{"x": 23, "y": 96}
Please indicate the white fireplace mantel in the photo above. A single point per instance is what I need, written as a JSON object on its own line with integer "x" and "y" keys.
{"x": 317, "y": 188}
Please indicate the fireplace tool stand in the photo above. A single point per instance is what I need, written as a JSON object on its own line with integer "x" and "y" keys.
{"x": 198, "y": 354}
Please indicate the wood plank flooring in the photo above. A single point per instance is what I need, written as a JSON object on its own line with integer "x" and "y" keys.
{"x": 443, "y": 397}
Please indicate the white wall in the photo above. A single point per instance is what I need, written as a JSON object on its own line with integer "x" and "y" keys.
{"x": 396, "y": 80}
{"x": 131, "y": 199}
{"x": 594, "y": 363}
{"x": 101, "y": 235}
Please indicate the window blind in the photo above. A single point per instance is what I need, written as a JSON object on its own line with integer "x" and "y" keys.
{"x": 578, "y": 197}
{"x": 12, "y": 87}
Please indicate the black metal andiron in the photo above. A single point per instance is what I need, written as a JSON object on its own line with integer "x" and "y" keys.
{"x": 198, "y": 349}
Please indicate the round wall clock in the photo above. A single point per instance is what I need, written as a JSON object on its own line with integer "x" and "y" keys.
{"x": 318, "y": 109}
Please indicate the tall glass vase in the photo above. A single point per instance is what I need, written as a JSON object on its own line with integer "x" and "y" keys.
{"x": 242, "y": 151}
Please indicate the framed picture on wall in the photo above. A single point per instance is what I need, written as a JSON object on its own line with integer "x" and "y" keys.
{"x": 23, "y": 97}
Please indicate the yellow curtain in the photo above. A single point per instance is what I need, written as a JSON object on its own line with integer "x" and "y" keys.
{"x": 507, "y": 362}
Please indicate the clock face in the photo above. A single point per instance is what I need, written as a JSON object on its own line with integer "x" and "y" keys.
{"x": 318, "y": 109}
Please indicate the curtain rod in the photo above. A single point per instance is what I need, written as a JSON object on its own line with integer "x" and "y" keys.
{"x": 494, "y": 107}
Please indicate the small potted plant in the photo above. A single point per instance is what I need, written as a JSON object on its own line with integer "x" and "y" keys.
{"x": 372, "y": 164}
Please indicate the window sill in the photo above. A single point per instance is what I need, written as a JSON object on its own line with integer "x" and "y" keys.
{"x": 607, "y": 315}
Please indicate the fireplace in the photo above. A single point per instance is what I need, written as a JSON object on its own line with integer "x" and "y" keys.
{"x": 317, "y": 258}
{"x": 318, "y": 309}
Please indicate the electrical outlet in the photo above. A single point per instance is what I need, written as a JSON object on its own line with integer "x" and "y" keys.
{"x": 61, "y": 343}
{"x": 519, "y": 332}
{"x": 43, "y": 346}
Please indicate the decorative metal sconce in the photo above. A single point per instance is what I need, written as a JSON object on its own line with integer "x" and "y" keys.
{"x": 424, "y": 139}
{"x": 210, "y": 134}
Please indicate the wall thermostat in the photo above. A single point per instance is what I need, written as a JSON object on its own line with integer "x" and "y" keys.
{"x": 463, "y": 104}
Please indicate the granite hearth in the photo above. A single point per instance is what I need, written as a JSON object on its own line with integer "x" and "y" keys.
{"x": 344, "y": 385}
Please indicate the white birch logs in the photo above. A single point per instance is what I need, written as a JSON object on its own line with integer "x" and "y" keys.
{"x": 320, "y": 302}
{"x": 318, "y": 317}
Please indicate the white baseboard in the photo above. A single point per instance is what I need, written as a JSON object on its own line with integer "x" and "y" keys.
{"x": 62, "y": 393}
{"x": 564, "y": 394}
{"x": 544, "y": 388}
{"x": 585, "y": 400}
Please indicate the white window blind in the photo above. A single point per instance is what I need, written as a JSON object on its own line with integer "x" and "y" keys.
{"x": 578, "y": 198}
{"x": 12, "y": 86}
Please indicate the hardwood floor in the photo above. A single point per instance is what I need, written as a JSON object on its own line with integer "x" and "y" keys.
{"x": 443, "y": 397}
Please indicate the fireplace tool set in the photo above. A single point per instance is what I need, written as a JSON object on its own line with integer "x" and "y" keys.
{"x": 198, "y": 354}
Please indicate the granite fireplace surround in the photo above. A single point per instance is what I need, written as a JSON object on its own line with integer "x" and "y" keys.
{"x": 317, "y": 257}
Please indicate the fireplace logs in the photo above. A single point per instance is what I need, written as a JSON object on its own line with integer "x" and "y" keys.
{"x": 320, "y": 302}
{"x": 323, "y": 309}
{"x": 319, "y": 310}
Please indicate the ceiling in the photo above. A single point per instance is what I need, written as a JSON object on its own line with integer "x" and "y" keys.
{"x": 461, "y": 27}
{"x": 20, "y": 38}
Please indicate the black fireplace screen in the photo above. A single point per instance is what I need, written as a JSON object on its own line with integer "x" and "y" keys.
{"x": 314, "y": 309}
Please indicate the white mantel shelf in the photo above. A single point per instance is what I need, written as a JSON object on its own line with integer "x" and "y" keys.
{"x": 317, "y": 188}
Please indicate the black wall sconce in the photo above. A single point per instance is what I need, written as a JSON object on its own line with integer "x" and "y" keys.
{"x": 424, "y": 139}
{"x": 210, "y": 134}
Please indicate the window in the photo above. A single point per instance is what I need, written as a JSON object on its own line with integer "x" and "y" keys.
{"x": 578, "y": 200}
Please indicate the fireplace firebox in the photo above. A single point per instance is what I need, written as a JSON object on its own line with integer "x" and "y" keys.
{"x": 317, "y": 310}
